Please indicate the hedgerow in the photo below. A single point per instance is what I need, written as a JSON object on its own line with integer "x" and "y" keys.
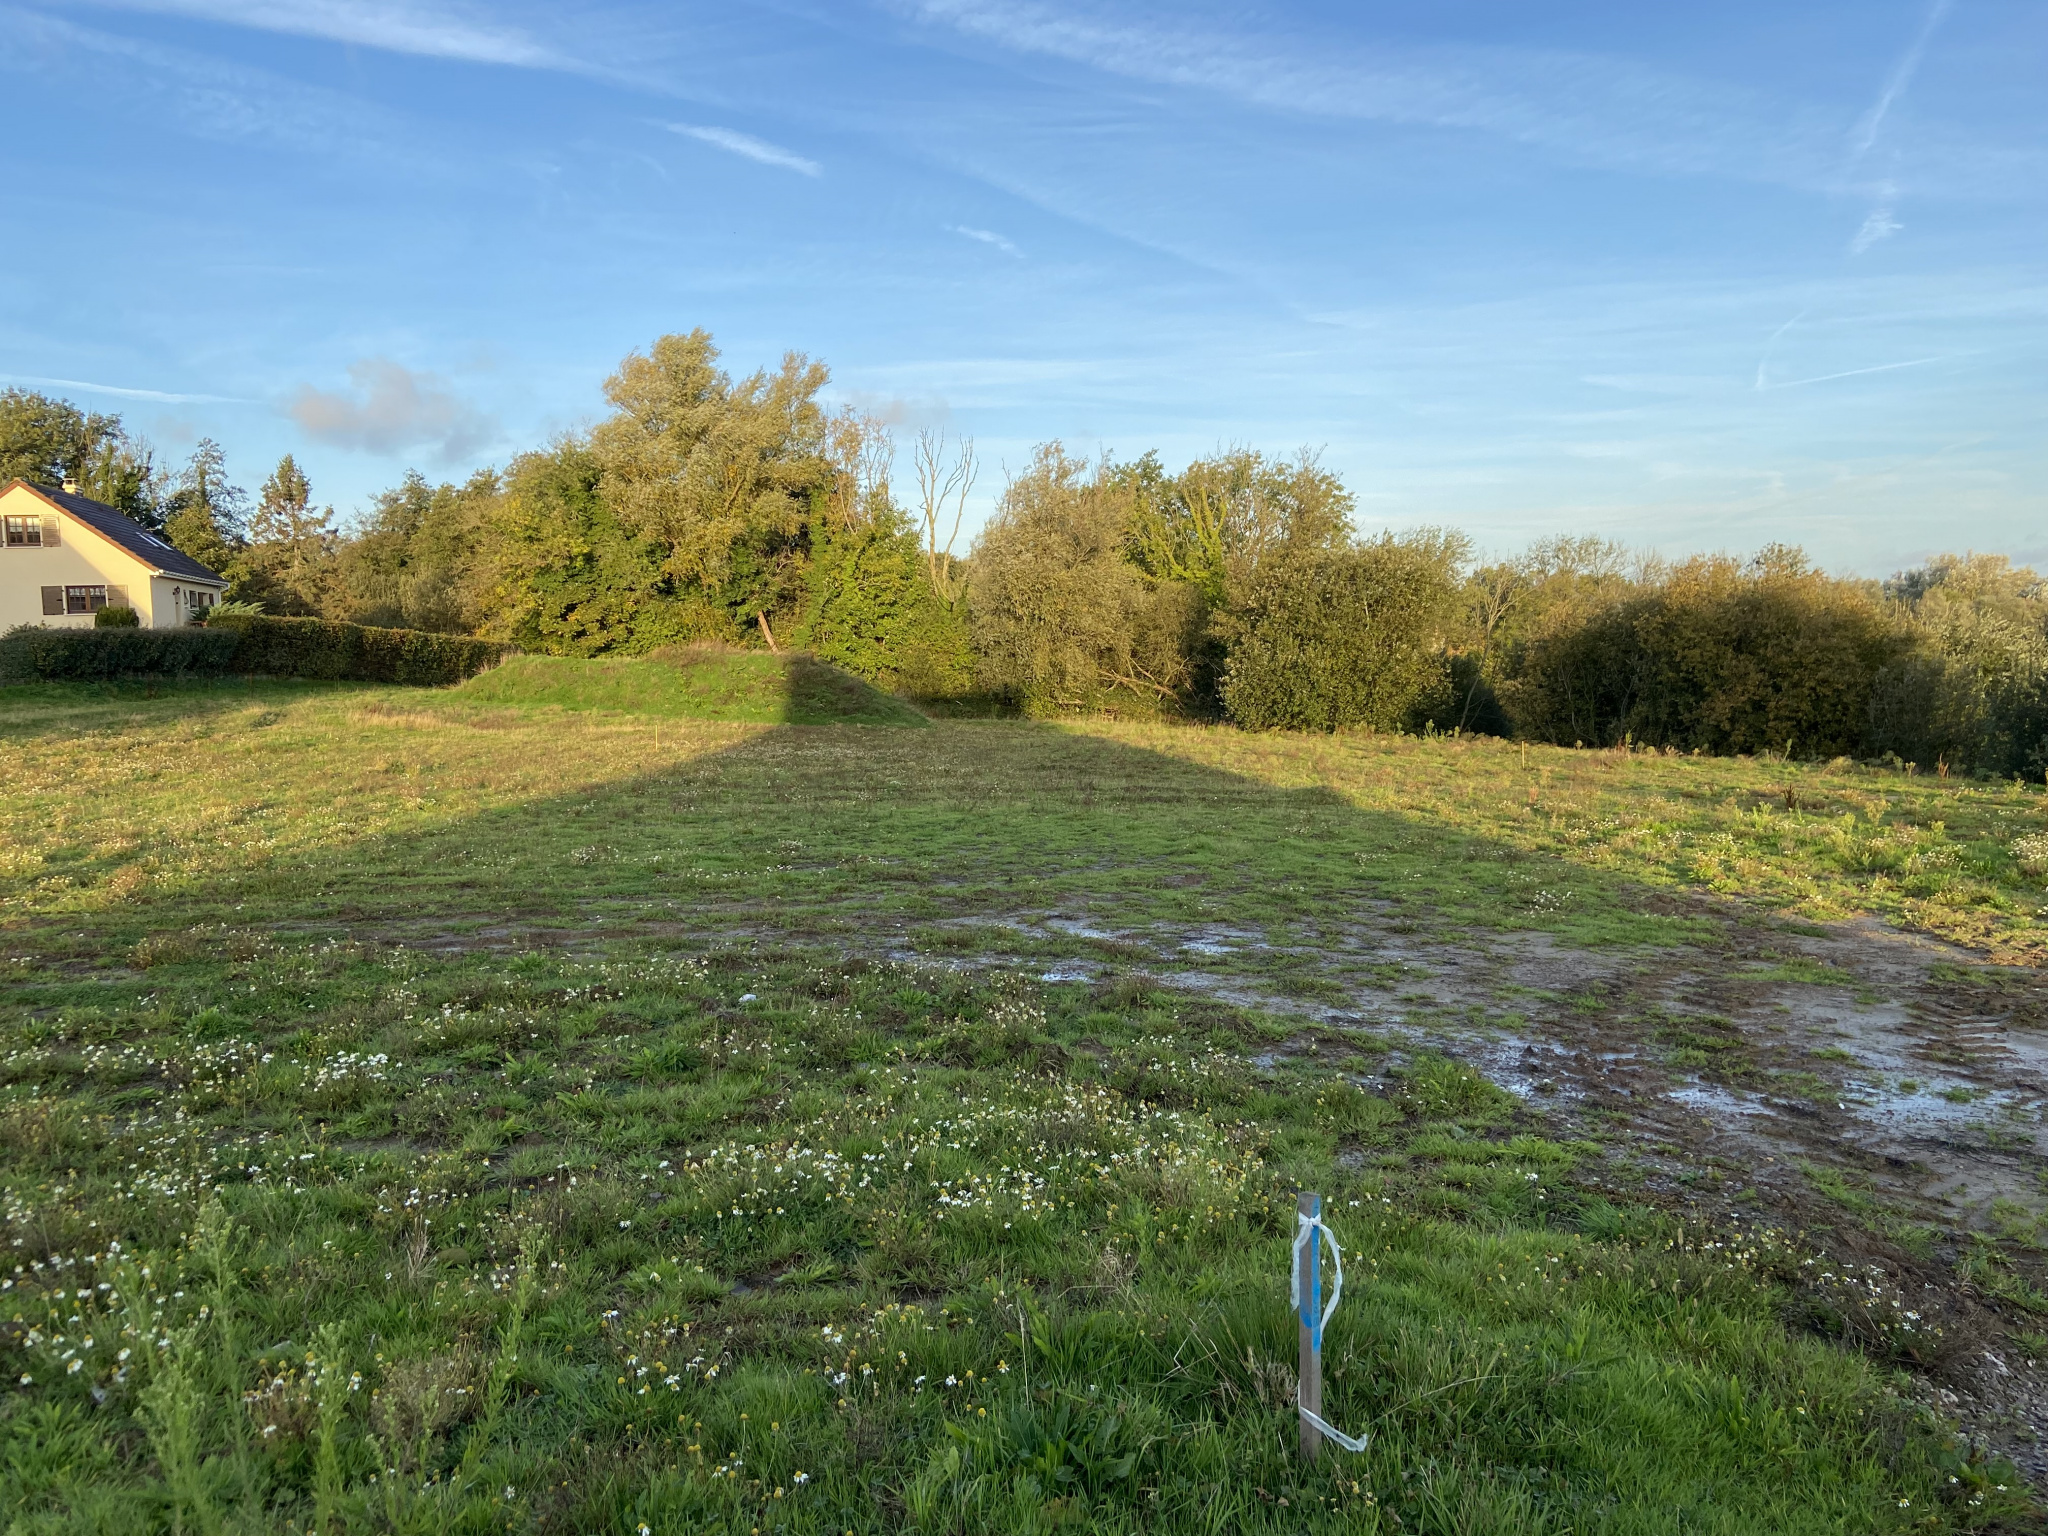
{"x": 245, "y": 644}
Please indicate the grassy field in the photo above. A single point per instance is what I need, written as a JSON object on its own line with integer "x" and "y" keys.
{"x": 426, "y": 1111}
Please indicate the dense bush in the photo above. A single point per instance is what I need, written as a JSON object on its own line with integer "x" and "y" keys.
{"x": 1945, "y": 666}
{"x": 242, "y": 644}
{"x": 869, "y": 608}
{"x": 1973, "y": 693}
{"x": 1061, "y": 618}
{"x": 1713, "y": 655}
{"x": 116, "y": 616}
{"x": 1325, "y": 639}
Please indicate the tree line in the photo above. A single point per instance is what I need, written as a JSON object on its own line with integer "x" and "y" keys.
{"x": 744, "y": 510}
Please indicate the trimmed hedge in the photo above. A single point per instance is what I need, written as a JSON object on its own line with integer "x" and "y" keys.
{"x": 33, "y": 654}
{"x": 355, "y": 652}
{"x": 245, "y": 645}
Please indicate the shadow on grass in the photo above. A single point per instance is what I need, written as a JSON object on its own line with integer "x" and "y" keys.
{"x": 834, "y": 831}
{"x": 697, "y": 682}
{"x": 31, "y": 710}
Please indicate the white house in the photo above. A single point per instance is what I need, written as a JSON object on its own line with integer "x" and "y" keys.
{"x": 63, "y": 557}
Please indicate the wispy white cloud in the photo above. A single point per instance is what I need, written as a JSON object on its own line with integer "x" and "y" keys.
{"x": 209, "y": 97}
{"x": 392, "y": 408}
{"x": 396, "y": 26}
{"x": 1896, "y": 82}
{"x": 986, "y": 237}
{"x": 751, "y": 148}
{"x": 1592, "y": 108}
{"x": 1763, "y": 364}
{"x": 124, "y": 392}
{"x": 1881, "y": 223}
{"x": 1602, "y": 109}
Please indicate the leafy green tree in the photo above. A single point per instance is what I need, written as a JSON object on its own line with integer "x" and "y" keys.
{"x": 1973, "y": 693}
{"x": 719, "y": 480}
{"x": 1060, "y": 618}
{"x": 288, "y": 563}
{"x": 417, "y": 560}
{"x": 1216, "y": 521}
{"x": 51, "y": 441}
{"x": 203, "y": 515}
{"x": 563, "y": 573}
{"x": 870, "y": 608}
{"x": 1510, "y": 602}
{"x": 1336, "y": 638}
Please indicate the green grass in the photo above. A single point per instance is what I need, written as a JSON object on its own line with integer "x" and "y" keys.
{"x": 695, "y": 684}
{"x": 400, "y": 1076}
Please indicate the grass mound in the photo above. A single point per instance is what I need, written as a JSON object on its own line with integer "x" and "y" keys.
{"x": 696, "y": 683}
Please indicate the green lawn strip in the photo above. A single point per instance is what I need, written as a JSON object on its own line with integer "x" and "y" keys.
{"x": 776, "y": 1241}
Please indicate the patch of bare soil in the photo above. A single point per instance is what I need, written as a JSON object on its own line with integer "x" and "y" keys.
{"x": 1882, "y": 1092}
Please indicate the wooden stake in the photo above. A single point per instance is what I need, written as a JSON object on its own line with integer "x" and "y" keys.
{"x": 1309, "y": 1321}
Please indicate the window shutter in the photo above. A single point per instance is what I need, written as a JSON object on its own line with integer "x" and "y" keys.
{"x": 53, "y": 533}
{"x": 117, "y": 597}
{"x": 53, "y": 600}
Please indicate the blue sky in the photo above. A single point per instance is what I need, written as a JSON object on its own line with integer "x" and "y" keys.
{"x": 1693, "y": 277}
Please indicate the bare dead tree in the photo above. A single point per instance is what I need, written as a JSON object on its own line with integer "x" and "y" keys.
{"x": 1496, "y": 592}
{"x": 945, "y": 474}
{"x": 861, "y": 451}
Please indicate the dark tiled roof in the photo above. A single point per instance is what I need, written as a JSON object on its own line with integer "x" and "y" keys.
{"x": 152, "y": 549}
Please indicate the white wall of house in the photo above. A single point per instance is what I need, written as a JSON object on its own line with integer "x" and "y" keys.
{"x": 177, "y": 600}
{"x": 90, "y": 569}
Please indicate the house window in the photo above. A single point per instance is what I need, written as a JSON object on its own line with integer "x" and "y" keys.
{"x": 24, "y": 530}
{"x": 84, "y": 599}
{"x": 198, "y": 601}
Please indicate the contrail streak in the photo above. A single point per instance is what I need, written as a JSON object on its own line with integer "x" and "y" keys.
{"x": 1850, "y": 373}
{"x": 130, "y": 394}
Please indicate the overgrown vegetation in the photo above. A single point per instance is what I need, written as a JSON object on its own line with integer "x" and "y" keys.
{"x": 744, "y": 511}
{"x": 518, "y": 1119}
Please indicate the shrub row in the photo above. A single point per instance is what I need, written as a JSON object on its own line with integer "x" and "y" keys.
{"x": 34, "y": 654}
{"x": 356, "y": 652}
{"x": 245, "y": 645}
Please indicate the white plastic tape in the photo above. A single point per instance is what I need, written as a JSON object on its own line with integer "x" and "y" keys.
{"x": 1307, "y": 1230}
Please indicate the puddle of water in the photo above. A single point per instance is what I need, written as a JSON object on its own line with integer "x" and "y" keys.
{"x": 1708, "y": 1098}
{"x": 1067, "y": 973}
{"x": 1076, "y": 928}
{"x": 1926, "y": 1112}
